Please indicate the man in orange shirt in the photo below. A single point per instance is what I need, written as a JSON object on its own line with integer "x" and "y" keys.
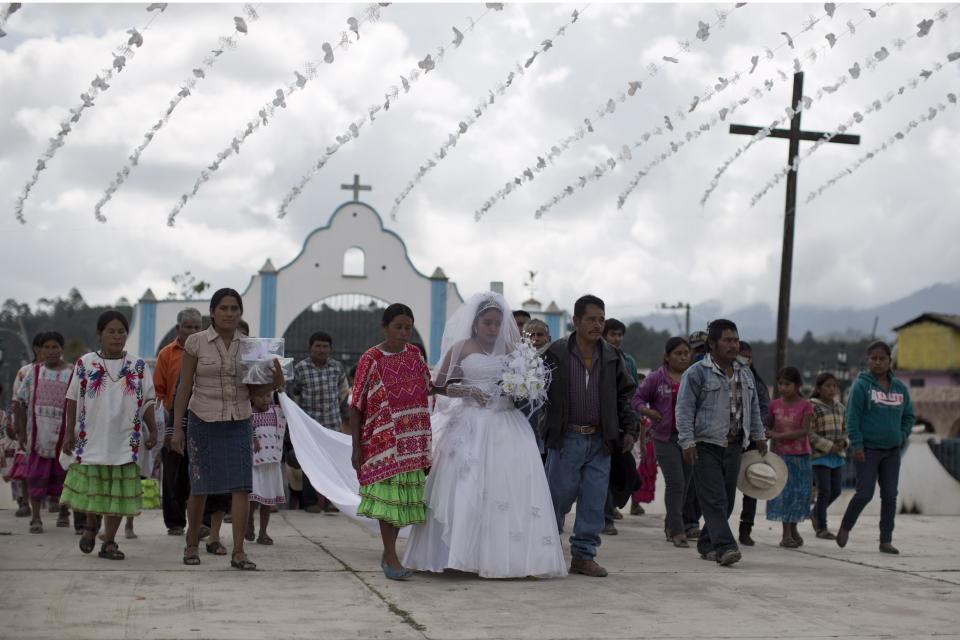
{"x": 176, "y": 481}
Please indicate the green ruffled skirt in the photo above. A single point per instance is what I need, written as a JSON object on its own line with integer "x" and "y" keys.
{"x": 108, "y": 490}
{"x": 397, "y": 500}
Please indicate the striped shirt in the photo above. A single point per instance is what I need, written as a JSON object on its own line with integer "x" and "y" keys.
{"x": 585, "y": 388}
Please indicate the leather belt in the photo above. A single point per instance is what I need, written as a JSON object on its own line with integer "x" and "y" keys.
{"x": 584, "y": 430}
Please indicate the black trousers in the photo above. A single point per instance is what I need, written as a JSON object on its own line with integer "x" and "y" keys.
{"x": 748, "y": 512}
{"x": 715, "y": 473}
{"x": 176, "y": 488}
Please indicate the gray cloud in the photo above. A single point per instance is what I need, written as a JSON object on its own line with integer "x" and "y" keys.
{"x": 879, "y": 234}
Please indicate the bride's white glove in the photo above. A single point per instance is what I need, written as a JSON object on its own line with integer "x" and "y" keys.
{"x": 466, "y": 391}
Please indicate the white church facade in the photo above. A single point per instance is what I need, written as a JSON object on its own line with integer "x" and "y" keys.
{"x": 354, "y": 257}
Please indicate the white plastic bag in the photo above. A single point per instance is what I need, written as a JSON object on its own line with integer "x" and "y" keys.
{"x": 256, "y": 360}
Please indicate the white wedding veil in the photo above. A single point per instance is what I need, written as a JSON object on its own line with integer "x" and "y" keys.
{"x": 460, "y": 335}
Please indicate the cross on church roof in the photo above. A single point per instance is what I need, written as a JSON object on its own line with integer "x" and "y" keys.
{"x": 356, "y": 187}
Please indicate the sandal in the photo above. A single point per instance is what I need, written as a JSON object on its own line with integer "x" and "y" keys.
{"x": 63, "y": 520}
{"x": 191, "y": 555}
{"x": 111, "y": 551}
{"x": 216, "y": 548}
{"x": 264, "y": 539}
{"x": 249, "y": 536}
{"x": 789, "y": 543}
{"x": 825, "y": 535}
{"x": 36, "y": 526}
{"x": 87, "y": 542}
{"x": 243, "y": 563}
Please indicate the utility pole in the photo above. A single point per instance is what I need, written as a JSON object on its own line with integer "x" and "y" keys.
{"x": 676, "y": 307}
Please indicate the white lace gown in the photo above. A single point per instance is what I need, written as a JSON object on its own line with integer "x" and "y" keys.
{"x": 489, "y": 505}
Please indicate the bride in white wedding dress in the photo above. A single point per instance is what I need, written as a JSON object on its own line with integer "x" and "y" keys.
{"x": 489, "y": 505}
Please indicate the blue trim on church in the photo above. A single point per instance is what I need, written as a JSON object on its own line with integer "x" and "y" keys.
{"x": 553, "y": 324}
{"x": 438, "y": 317}
{"x": 268, "y": 305}
{"x": 148, "y": 328}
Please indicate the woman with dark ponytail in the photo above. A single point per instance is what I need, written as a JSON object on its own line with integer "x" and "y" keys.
{"x": 219, "y": 436}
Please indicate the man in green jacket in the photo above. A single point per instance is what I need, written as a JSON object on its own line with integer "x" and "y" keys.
{"x": 879, "y": 420}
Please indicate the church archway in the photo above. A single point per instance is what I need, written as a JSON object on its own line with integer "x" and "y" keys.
{"x": 351, "y": 319}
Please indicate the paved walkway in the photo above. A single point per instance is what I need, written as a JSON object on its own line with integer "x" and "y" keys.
{"x": 321, "y": 580}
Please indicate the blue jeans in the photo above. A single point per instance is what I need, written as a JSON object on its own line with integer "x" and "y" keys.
{"x": 880, "y": 466}
{"x": 715, "y": 477}
{"x": 580, "y": 471}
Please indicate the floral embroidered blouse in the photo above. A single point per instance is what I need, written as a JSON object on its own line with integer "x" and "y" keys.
{"x": 391, "y": 390}
{"x": 110, "y": 409}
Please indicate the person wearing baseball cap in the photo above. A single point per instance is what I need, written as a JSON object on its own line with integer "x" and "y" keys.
{"x": 698, "y": 346}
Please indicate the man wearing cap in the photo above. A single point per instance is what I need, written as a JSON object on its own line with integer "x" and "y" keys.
{"x": 718, "y": 414}
{"x": 698, "y": 346}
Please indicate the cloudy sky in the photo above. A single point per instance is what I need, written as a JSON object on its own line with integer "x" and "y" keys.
{"x": 888, "y": 229}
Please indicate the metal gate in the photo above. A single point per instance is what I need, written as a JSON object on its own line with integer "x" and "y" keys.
{"x": 351, "y": 319}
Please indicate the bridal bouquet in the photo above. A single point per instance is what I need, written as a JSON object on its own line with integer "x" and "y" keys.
{"x": 525, "y": 377}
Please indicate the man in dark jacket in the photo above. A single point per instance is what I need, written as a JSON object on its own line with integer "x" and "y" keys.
{"x": 588, "y": 415}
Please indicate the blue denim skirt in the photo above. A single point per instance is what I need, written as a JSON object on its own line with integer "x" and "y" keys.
{"x": 220, "y": 455}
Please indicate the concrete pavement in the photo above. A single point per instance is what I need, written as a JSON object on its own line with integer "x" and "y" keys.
{"x": 322, "y": 580}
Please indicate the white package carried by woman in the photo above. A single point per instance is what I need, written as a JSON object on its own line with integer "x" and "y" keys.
{"x": 256, "y": 360}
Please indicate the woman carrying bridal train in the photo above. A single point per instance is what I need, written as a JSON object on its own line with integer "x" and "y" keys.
{"x": 488, "y": 501}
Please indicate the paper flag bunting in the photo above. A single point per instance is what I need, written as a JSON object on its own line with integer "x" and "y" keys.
{"x": 226, "y": 42}
{"x": 480, "y": 109}
{"x": 929, "y": 114}
{"x": 277, "y": 100}
{"x": 556, "y": 150}
{"x": 841, "y": 127}
{"x": 853, "y": 73}
{"x": 100, "y": 83}
{"x": 675, "y": 146}
{"x": 424, "y": 67}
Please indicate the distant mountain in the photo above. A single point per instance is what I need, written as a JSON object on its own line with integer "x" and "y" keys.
{"x": 759, "y": 321}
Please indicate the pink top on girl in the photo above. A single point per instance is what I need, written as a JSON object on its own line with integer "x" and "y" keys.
{"x": 789, "y": 417}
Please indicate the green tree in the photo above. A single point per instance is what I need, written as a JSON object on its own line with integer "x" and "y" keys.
{"x": 187, "y": 287}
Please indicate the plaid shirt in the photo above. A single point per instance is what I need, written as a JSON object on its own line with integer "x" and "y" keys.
{"x": 318, "y": 390}
{"x": 736, "y": 401}
{"x": 829, "y": 427}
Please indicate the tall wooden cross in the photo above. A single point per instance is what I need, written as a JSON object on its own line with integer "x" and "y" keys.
{"x": 356, "y": 187}
{"x": 794, "y": 134}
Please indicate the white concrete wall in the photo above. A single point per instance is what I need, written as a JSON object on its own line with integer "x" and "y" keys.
{"x": 317, "y": 272}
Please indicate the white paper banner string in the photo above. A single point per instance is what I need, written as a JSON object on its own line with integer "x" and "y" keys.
{"x": 370, "y": 13}
{"x": 855, "y": 118}
{"x": 224, "y": 43}
{"x": 6, "y": 12}
{"x": 392, "y": 94}
{"x": 605, "y": 109}
{"x": 724, "y": 83}
{"x": 853, "y": 73}
{"x": 121, "y": 55}
{"x": 489, "y": 99}
{"x": 928, "y": 115}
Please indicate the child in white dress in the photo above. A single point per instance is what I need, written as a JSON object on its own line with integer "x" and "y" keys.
{"x": 269, "y": 426}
